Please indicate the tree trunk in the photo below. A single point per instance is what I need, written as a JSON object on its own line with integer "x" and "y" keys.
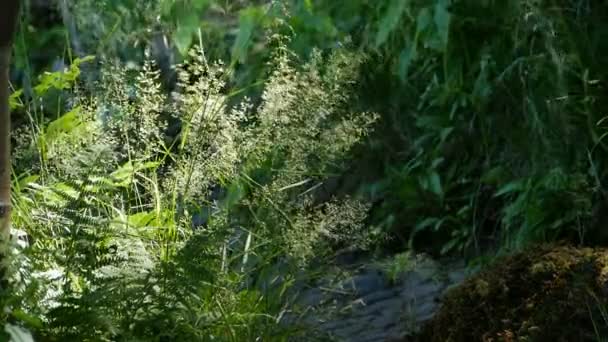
{"x": 9, "y": 11}
{"x": 5, "y": 161}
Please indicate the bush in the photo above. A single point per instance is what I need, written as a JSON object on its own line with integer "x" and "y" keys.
{"x": 107, "y": 193}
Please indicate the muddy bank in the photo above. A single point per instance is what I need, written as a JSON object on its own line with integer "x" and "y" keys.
{"x": 547, "y": 293}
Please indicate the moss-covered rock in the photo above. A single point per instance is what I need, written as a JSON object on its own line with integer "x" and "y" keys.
{"x": 547, "y": 293}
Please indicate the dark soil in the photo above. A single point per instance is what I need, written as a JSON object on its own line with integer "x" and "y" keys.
{"x": 548, "y": 293}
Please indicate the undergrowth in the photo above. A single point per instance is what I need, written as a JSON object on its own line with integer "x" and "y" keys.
{"x": 492, "y": 133}
{"x": 491, "y": 137}
{"x": 182, "y": 217}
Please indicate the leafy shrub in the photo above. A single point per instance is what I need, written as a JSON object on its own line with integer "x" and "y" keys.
{"x": 491, "y": 125}
{"x": 107, "y": 193}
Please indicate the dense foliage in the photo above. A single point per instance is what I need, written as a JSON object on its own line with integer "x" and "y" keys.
{"x": 181, "y": 203}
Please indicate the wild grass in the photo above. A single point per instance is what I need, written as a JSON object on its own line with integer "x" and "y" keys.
{"x": 491, "y": 136}
{"x": 108, "y": 190}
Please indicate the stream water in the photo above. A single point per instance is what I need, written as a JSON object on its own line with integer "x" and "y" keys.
{"x": 370, "y": 301}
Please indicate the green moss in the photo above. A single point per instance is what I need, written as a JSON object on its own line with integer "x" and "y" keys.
{"x": 547, "y": 293}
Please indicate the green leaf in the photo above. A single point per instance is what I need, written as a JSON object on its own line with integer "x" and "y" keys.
{"x": 186, "y": 15}
{"x": 187, "y": 25}
{"x": 140, "y": 220}
{"x": 449, "y": 246}
{"x": 13, "y": 100}
{"x": 482, "y": 89}
{"x": 249, "y": 19}
{"x": 493, "y": 176}
{"x": 29, "y": 319}
{"x": 423, "y": 21}
{"x": 64, "y": 124}
{"x": 435, "y": 184}
{"x": 426, "y": 223}
{"x": 199, "y": 4}
{"x": 26, "y": 181}
{"x": 60, "y": 80}
{"x": 124, "y": 174}
{"x": 166, "y": 7}
{"x": 437, "y": 162}
{"x": 236, "y": 191}
{"x": 445, "y": 132}
{"x": 442, "y": 22}
{"x": 308, "y": 5}
{"x": 51, "y": 192}
{"x": 390, "y": 20}
{"x": 407, "y": 56}
{"x": 513, "y": 209}
{"x": 510, "y": 187}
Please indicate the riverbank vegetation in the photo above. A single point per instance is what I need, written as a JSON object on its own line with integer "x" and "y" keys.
{"x": 178, "y": 165}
